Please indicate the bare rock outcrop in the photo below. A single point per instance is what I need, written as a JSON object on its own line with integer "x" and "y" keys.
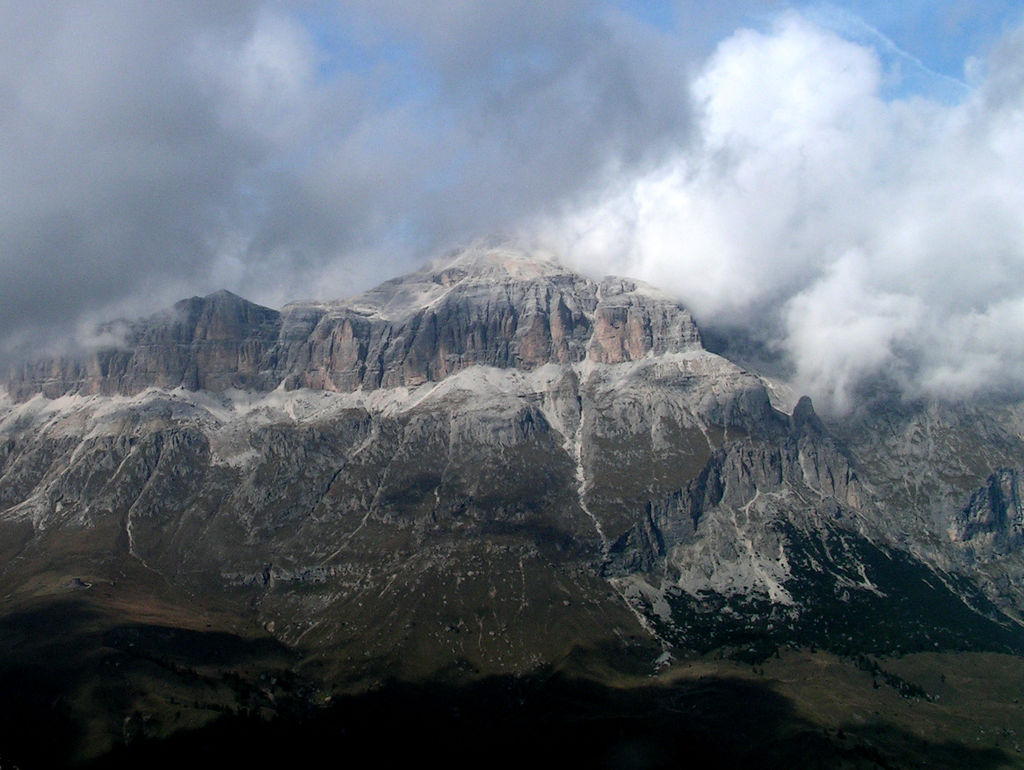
{"x": 489, "y": 307}
{"x": 992, "y": 522}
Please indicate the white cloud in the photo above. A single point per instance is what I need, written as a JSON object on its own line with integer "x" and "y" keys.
{"x": 160, "y": 149}
{"x": 845, "y": 327}
{"x": 859, "y": 235}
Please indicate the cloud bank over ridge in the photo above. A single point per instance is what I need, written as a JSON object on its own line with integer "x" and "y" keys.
{"x": 855, "y": 234}
{"x": 802, "y": 175}
{"x": 285, "y": 150}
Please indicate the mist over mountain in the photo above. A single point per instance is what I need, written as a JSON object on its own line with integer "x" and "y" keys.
{"x": 838, "y": 177}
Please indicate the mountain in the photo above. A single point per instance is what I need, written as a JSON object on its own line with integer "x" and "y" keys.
{"x": 490, "y": 468}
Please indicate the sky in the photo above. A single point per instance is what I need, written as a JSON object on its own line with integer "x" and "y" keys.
{"x": 839, "y": 183}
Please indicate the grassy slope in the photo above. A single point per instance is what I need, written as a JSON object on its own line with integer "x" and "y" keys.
{"x": 143, "y": 678}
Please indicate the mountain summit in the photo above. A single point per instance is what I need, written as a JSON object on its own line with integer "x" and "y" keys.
{"x": 499, "y": 308}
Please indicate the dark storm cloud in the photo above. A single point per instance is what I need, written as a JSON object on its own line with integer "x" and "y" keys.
{"x": 113, "y": 165}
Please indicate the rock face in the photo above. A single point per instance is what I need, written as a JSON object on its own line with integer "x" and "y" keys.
{"x": 993, "y": 519}
{"x": 213, "y": 343}
{"x": 494, "y": 462}
{"x": 483, "y": 309}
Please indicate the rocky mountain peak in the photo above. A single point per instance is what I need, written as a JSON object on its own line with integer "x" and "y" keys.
{"x": 221, "y": 315}
{"x": 490, "y": 306}
{"x": 489, "y": 262}
{"x": 805, "y": 419}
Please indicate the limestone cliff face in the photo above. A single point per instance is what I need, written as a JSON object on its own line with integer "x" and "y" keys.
{"x": 992, "y": 522}
{"x": 629, "y": 322}
{"x": 483, "y": 308}
{"x": 211, "y": 343}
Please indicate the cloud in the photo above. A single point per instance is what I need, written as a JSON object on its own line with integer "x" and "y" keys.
{"x": 775, "y": 178}
{"x": 854, "y": 233}
{"x": 114, "y": 166}
{"x": 282, "y": 150}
